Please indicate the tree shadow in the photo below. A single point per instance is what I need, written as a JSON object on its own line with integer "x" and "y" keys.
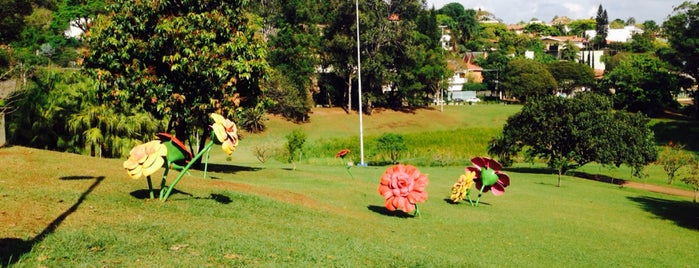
{"x": 222, "y": 168}
{"x": 11, "y": 249}
{"x": 596, "y": 177}
{"x": 683, "y": 213}
{"x": 384, "y": 211}
{"x": 531, "y": 170}
{"x": 679, "y": 132}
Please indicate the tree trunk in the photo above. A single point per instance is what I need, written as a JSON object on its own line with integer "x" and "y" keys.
{"x": 349, "y": 93}
{"x": 3, "y": 139}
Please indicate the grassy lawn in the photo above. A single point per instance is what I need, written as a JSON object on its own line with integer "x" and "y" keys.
{"x": 64, "y": 210}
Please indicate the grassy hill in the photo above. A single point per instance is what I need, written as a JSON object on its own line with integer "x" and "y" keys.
{"x": 65, "y": 210}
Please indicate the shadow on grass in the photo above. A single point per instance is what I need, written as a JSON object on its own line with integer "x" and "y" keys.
{"x": 679, "y": 132}
{"x": 145, "y": 194}
{"x": 531, "y": 170}
{"x": 464, "y": 202}
{"x": 683, "y": 213}
{"x": 11, "y": 249}
{"x": 222, "y": 168}
{"x": 596, "y": 177}
{"x": 384, "y": 211}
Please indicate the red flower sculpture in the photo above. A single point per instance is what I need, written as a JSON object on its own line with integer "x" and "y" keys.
{"x": 342, "y": 153}
{"x": 403, "y": 186}
{"x": 488, "y": 176}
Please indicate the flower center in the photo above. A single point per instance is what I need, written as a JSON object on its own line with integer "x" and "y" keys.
{"x": 488, "y": 176}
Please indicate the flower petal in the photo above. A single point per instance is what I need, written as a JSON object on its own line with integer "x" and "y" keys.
{"x": 498, "y": 189}
{"x": 218, "y": 119}
{"x": 491, "y": 163}
{"x": 479, "y": 162}
{"x": 503, "y": 179}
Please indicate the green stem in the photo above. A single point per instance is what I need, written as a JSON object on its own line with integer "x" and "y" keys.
{"x": 206, "y": 161}
{"x": 468, "y": 195}
{"x": 417, "y": 211}
{"x": 346, "y": 167}
{"x": 479, "y": 194}
{"x": 150, "y": 187}
{"x": 163, "y": 182}
{"x": 191, "y": 162}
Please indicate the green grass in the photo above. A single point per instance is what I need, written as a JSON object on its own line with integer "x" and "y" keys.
{"x": 253, "y": 214}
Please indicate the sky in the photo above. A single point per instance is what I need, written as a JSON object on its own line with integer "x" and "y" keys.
{"x": 514, "y": 11}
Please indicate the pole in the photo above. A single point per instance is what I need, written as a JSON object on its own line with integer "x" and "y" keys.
{"x": 359, "y": 88}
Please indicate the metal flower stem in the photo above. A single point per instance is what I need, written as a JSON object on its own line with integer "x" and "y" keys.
{"x": 191, "y": 162}
{"x": 479, "y": 194}
{"x": 468, "y": 194}
{"x": 346, "y": 167}
{"x": 150, "y": 187}
{"x": 206, "y": 161}
{"x": 417, "y": 211}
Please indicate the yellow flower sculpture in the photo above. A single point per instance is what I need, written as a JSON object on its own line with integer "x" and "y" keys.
{"x": 226, "y": 132}
{"x": 145, "y": 159}
{"x": 462, "y": 186}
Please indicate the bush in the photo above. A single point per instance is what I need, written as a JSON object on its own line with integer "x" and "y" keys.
{"x": 391, "y": 144}
{"x": 294, "y": 143}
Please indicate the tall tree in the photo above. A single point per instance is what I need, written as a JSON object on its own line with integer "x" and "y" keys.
{"x": 602, "y": 27}
{"x": 12, "y": 18}
{"x": 681, "y": 31}
{"x": 177, "y": 59}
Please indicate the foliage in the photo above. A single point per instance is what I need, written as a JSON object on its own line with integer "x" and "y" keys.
{"x": 294, "y": 143}
{"x": 525, "y": 79}
{"x": 540, "y": 29}
{"x": 253, "y": 119}
{"x": 578, "y": 27}
{"x": 465, "y": 25}
{"x": 571, "y": 132}
{"x": 391, "y": 144}
{"x": 570, "y": 75}
{"x": 286, "y": 98}
{"x": 570, "y": 51}
{"x": 601, "y": 27}
{"x": 179, "y": 60}
{"x": 692, "y": 177}
{"x": 12, "y": 22}
{"x": 673, "y": 158}
{"x": 642, "y": 83}
{"x": 680, "y": 29}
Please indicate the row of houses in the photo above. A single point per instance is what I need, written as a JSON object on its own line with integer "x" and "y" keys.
{"x": 467, "y": 71}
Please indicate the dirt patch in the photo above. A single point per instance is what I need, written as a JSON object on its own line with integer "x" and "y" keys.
{"x": 658, "y": 189}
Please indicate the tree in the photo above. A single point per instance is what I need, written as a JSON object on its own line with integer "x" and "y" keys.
{"x": 681, "y": 31}
{"x": 570, "y": 51}
{"x": 642, "y": 42}
{"x": 578, "y": 27}
{"x": 465, "y": 23}
{"x": 692, "y": 178}
{"x": 642, "y": 83}
{"x": 602, "y": 27}
{"x": 570, "y": 75}
{"x": 571, "y": 132}
{"x": 673, "y": 158}
{"x": 178, "y": 60}
{"x": 526, "y": 79}
{"x": 12, "y": 18}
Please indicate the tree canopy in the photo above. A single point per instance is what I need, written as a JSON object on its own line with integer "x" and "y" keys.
{"x": 178, "y": 60}
{"x": 571, "y": 132}
{"x": 525, "y": 78}
{"x": 642, "y": 83}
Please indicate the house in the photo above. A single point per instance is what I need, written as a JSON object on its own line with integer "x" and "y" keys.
{"x": 554, "y": 44}
{"x": 465, "y": 71}
{"x": 622, "y": 35}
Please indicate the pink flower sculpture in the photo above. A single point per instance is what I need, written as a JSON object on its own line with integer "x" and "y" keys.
{"x": 403, "y": 186}
{"x": 488, "y": 176}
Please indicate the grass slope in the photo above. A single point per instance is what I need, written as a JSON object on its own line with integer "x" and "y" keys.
{"x": 64, "y": 210}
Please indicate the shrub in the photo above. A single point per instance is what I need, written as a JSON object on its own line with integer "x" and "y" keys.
{"x": 294, "y": 143}
{"x": 391, "y": 144}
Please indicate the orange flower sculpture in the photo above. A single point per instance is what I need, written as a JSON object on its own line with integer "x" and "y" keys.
{"x": 226, "y": 133}
{"x": 403, "y": 186}
{"x": 145, "y": 159}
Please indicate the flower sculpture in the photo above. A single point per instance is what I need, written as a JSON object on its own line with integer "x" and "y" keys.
{"x": 462, "y": 187}
{"x": 488, "y": 176}
{"x": 341, "y": 154}
{"x": 403, "y": 186}
{"x": 145, "y": 159}
{"x": 226, "y": 133}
